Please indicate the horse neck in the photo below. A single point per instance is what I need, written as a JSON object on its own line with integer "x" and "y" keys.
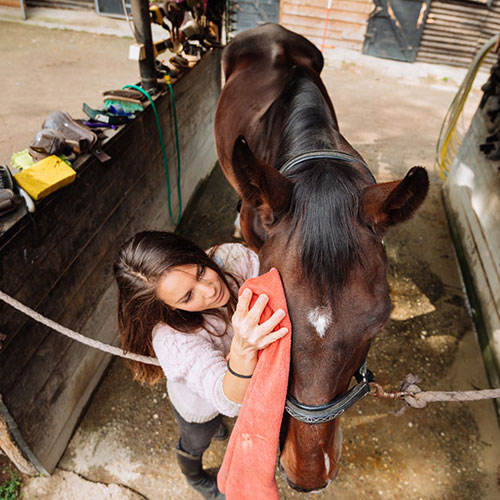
{"x": 308, "y": 120}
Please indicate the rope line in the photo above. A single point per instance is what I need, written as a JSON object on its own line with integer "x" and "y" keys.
{"x": 75, "y": 335}
{"x": 410, "y": 393}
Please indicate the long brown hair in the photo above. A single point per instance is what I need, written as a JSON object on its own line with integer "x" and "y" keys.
{"x": 142, "y": 261}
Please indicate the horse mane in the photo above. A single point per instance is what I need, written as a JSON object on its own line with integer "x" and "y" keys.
{"x": 324, "y": 212}
{"x": 325, "y": 201}
{"x": 308, "y": 121}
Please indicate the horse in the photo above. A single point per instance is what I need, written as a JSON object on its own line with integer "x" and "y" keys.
{"x": 311, "y": 209}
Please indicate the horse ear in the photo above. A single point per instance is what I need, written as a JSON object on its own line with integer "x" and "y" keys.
{"x": 389, "y": 203}
{"x": 259, "y": 184}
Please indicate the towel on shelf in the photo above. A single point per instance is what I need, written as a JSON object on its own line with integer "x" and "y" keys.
{"x": 247, "y": 472}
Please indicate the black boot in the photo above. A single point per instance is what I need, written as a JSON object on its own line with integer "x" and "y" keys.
{"x": 222, "y": 432}
{"x": 196, "y": 477}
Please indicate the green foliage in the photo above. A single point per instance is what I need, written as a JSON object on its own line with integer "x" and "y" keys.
{"x": 10, "y": 488}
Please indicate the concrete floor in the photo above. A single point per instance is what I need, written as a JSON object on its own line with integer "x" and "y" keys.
{"x": 391, "y": 112}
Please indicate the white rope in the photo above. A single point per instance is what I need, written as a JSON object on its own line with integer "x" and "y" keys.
{"x": 411, "y": 394}
{"x": 75, "y": 335}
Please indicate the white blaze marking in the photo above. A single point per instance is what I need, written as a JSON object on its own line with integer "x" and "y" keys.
{"x": 327, "y": 463}
{"x": 321, "y": 319}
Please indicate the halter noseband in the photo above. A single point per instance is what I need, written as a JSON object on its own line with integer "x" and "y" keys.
{"x": 320, "y": 414}
{"x": 321, "y": 154}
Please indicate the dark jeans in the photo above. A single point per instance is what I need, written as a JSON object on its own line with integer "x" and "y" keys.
{"x": 195, "y": 438}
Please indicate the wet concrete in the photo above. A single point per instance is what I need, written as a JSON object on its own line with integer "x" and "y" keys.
{"x": 391, "y": 112}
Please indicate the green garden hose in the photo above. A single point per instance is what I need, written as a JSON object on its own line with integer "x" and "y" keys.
{"x": 163, "y": 150}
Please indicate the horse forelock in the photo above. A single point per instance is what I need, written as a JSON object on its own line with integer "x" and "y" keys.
{"x": 325, "y": 202}
{"x": 324, "y": 214}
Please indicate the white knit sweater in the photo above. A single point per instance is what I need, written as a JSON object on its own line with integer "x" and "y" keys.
{"x": 195, "y": 364}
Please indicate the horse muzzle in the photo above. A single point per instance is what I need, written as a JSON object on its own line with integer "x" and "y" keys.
{"x": 307, "y": 470}
{"x": 306, "y": 489}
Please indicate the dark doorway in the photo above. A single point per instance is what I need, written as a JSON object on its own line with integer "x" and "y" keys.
{"x": 250, "y": 13}
{"x": 395, "y": 29}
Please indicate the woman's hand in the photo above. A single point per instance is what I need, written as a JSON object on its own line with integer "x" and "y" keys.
{"x": 249, "y": 335}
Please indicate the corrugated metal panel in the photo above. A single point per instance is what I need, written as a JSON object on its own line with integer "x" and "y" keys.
{"x": 456, "y": 30}
{"x": 395, "y": 29}
{"x": 346, "y": 26}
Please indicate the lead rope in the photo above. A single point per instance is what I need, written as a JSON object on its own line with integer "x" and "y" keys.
{"x": 411, "y": 394}
{"x": 75, "y": 335}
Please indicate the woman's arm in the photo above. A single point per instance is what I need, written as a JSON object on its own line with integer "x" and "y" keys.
{"x": 249, "y": 338}
{"x": 191, "y": 361}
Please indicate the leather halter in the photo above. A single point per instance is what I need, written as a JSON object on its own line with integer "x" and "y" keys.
{"x": 310, "y": 414}
{"x": 321, "y": 154}
{"x": 320, "y": 414}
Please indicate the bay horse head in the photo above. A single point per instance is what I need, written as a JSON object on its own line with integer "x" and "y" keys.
{"x": 312, "y": 209}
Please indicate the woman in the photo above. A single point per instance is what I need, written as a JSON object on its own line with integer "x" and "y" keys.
{"x": 180, "y": 304}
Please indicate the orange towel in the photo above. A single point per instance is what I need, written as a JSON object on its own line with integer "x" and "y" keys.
{"x": 247, "y": 472}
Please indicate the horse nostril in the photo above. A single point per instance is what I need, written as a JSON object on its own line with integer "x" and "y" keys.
{"x": 306, "y": 490}
{"x": 300, "y": 488}
{"x": 334, "y": 476}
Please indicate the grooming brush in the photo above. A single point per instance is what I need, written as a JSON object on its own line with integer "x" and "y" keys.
{"x": 6, "y": 179}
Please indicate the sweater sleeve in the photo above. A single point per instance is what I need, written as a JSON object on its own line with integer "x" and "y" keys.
{"x": 238, "y": 260}
{"x": 194, "y": 360}
{"x": 206, "y": 376}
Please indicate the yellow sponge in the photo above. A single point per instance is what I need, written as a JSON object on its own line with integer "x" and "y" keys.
{"x": 45, "y": 177}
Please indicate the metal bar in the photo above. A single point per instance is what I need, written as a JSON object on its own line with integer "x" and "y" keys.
{"x": 142, "y": 28}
